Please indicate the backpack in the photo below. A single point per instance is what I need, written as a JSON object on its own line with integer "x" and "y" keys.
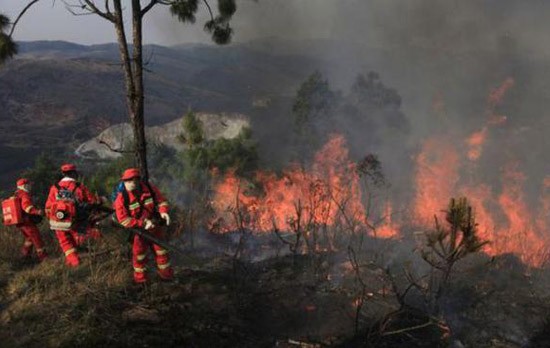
{"x": 12, "y": 212}
{"x": 116, "y": 190}
{"x": 64, "y": 210}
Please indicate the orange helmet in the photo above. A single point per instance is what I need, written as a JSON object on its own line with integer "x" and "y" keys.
{"x": 22, "y": 182}
{"x": 68, "y": 167}
{"x": 130, "y": 173}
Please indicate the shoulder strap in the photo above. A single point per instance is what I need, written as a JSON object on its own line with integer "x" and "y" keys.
{"x": 76, "y": 186}
{"x": 126, "y": 199}
{"x": 152, "y": 192}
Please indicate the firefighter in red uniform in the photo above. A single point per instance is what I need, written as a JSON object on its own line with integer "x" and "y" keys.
{"x": 66, "y": 222}
{"x": 28, "y": 227}
{"x": 136, "y": 207}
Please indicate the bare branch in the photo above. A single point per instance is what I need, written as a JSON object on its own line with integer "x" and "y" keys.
{"x": 108, "y": 9}
{"x": 21, "y": 15}
{"x": 209, "y": 9}
{"x": 107, "y": 15}
{"x": 88, "y": 7}
{"x": 148, "y": 7}
{"x": 113, "y": 149}
{"x": 74, "y": 13}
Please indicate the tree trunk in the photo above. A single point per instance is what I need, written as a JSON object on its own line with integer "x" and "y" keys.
{"x": 133, "y": 77}
{"x": 138, "y": 120}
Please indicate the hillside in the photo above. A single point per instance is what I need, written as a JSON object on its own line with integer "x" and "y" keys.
{"x": 313, "y": 300}
{"x": 56, "y": 95}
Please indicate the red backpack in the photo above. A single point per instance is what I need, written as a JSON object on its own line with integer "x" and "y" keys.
{"x": 12, "y": 212}
{"x": 63, "y": 210}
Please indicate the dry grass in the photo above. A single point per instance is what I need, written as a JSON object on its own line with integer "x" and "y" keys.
{"x": 48, "y": 304}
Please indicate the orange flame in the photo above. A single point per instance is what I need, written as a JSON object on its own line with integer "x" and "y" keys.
{"x": 497, "y": 95}
{"x": 436, "y": 176}
{"x": 504, "y": 220}
{"x": 390, "y": 227}
{"x": 519, "y": 235}
{"x": 475, "y": 143}
{"x": 327, "y": 194}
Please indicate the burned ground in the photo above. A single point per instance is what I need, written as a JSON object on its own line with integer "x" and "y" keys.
{"x": 285, "y": 301}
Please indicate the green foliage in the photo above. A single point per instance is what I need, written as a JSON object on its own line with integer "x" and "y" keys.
{"x": 447, "y": 245}
{"x": 185, "y": 10}
{"x": 8, "y": 48}
{"x": 238, "y": 154}
{"x": 218, "y": 26}
{"x": 166, "y": 167}
{"x": 443, "y": 248}
{"x": 314, "y": 102}
{"x": 106, "y": 177}
{"x": 372, "y": 92}
{"x": 4, "y": 22}
{"x": 163, "y": 162}
{"x": 43, "y": 175}
{"x": 194, "y": 134}
{"x": 312, "y": 98}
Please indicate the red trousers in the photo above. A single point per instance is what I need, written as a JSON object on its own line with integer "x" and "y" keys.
{"x": 32, "y": 237}
{"x": 139, "y": 259}
{"x": 69, "y": 240}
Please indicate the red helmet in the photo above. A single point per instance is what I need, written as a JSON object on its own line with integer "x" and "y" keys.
{"x": 130, "y": 173}
{"x": 22, "y": 182}
{"x": 68, "y": 167}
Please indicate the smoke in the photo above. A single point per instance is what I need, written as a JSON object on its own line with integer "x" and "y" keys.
{"x": 444, "y": 59}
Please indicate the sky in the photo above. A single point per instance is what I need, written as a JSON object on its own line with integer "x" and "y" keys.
{"x": 50, "y": 20}
{"x": 463, "y": 23}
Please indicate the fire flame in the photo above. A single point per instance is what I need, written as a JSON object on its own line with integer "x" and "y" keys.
{"x": 326, "y": 194}
{"x": 329, "y": 193}
{"x": 475, "y": 143}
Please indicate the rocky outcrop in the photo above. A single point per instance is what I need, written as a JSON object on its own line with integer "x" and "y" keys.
{"x": 117, "y": 137}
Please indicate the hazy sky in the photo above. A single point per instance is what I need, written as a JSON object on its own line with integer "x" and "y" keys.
{"x": 50, "y": 20}
{"x": 439, "y": 23}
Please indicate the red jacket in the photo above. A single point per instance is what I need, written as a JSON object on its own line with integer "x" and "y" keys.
{"x": 26, "y": 205}
{"x": 82, "y": 193}
{"x": 140, "y": 206}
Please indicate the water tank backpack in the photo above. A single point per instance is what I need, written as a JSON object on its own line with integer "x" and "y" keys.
{"x": 63, "y": 212}
{"x": 116, "y": 190}
{"x": 11, "y": 211}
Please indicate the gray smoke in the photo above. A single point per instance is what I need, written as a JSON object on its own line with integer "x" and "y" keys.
{"x": 453, "y": 52}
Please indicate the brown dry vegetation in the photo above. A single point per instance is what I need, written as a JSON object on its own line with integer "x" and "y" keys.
{"x": 213, "y": 302}
{"x": 287, "y": 301}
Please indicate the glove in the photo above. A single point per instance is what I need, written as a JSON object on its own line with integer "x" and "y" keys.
{"x": 39, "y": 212}
{"x": 148, "y": 224}
{"x": 166, "y": 218}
